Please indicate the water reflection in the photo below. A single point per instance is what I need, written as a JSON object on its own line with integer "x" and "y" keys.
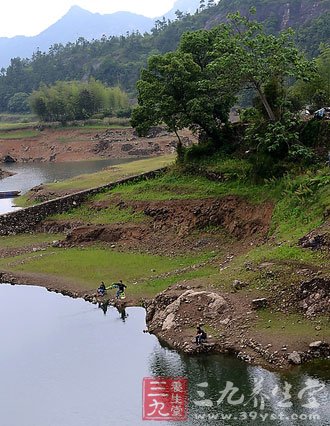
{"x": 222, "y": 387}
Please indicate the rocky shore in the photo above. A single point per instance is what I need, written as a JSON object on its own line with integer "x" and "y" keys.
{"x": 230, "y": 324}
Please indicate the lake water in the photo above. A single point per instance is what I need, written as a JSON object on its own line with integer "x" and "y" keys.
{"x": 64, "y": 362}
{"x": 28, "y": 175}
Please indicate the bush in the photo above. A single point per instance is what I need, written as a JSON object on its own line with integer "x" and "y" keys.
{"x": 198, "y": 151}
{"x": 19, "y": 103}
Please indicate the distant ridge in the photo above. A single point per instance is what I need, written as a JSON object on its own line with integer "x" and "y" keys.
{"x": 78, "y": 22}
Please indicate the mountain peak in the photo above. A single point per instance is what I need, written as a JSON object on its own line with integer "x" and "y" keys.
{"x": 74, "y": 10}
{"x": 186, "y": 6}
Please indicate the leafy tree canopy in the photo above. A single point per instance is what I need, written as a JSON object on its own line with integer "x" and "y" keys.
{"x": 195, "y": 86}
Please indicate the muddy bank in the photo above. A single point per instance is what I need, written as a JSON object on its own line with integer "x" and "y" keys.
{"x": 232, "y": 310}
{"x": 232, "y": 316}
{"x": 60, "y": 145}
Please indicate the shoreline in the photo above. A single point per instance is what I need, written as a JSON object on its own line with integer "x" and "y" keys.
{"x": 253, "y": 353}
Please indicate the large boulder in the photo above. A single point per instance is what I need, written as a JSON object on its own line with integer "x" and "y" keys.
{"x": 295, "y": 358}
{"x": 179, "y": 311}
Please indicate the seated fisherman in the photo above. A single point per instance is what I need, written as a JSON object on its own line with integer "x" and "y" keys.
{"x": 200, "y": 336}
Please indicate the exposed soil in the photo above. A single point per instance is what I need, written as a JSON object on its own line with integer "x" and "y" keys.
{"x": 59, "y": 145}
{"x": 174, "y": 227}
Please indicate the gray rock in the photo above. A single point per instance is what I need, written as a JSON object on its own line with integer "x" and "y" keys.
{"x": 259, "y": 303}
{"x": 169, "y": 322}
{"x": 295, "y": 358}
{"x": 238, "y": 285}
{"x": 316, "y": 345}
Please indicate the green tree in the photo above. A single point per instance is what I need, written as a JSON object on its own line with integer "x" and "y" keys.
{"x": 316, "y": 91}
{"x": 182, "y": 89}
{"x": 256, "y": 58}
{"x": 19, "y": 103}
{"x": 75, "y": 100}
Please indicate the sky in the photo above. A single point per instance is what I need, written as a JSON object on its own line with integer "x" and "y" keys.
{"x": 30, "y": 17}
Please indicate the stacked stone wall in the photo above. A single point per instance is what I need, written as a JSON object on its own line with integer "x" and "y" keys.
{"x": 26, "y": 219}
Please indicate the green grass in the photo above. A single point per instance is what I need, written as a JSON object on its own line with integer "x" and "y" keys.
{"x": 302, "y": 205}
{"x": 107, "y": 215}
{"x": 19, "y": 134}
{"x": 112, "y": 174}
{"x": 284, "y": 252}
{"x": 17, "y": 126}
{"x": 156, "y": 285}
{"x": 26, "y": 240}
{"x": 175, "y": 186}
{"x": 284, "y": 261}
{"x": 294, "y": 325}
{"x": 91, "y": 265}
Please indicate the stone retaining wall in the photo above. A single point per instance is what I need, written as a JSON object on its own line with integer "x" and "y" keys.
{"x": 26, "y": 219}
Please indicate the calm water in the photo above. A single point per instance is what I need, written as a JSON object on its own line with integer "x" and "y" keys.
{"x": 29, "y": 175}
{"x": 63, "y": 362}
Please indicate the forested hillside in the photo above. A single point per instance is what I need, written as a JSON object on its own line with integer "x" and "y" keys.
{"x": 117, "y": 61}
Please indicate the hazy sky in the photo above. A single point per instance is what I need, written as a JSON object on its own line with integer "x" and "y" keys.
{"x": 30, "y": 17}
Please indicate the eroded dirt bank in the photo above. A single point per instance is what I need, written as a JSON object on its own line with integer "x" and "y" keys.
{"x": 60, "y": 145}
{"x": 172, "y": 227}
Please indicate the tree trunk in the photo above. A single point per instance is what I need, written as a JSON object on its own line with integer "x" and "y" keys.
{"x": 265, "y": 103}
{"x": 179, "y": 148}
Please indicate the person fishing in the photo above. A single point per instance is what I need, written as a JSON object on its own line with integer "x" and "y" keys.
{"x": 101, "y": 290}
{"x": 200, "y": 335}
{"x": 120, "y": 289}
